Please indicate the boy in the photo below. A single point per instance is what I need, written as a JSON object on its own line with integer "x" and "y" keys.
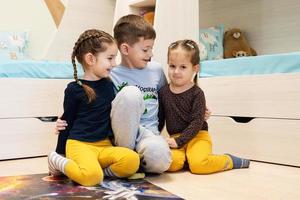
{"x": 134, "y": 114}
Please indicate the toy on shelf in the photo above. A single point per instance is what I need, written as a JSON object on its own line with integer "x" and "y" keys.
{"x": 236, "y": 45}
{"x": 148, "y": 16}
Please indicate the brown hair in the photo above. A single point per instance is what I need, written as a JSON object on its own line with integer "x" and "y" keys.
{"x": 90, "y": 41}
{"x": 190, "y": 47}
{"x": 131, "y": 27}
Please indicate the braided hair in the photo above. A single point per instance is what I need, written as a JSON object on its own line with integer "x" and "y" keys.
{"x": 90, "y": 41}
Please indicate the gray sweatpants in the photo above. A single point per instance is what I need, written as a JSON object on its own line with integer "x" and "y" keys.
{"x": 127, "y": 109}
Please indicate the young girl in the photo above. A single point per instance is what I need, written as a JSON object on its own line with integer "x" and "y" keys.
{"x": 87, "y": 106}
{"x": 182, "y": 106}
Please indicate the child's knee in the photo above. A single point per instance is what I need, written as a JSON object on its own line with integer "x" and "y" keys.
{"x": 199, "y": 166}
{"x": 130, "y": 94}
{"x": 131, "y": 164}
{"x": 155, "y": 161}
{"x": 156, "y": 154}
{"x": 91, "y": 178}
{"x": 176, "y": 166}
{"x": 155, "y": 166}
{"x": 178, "y": 161}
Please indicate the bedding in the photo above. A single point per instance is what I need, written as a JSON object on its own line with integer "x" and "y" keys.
{"x": 13, "y": 45}
{"x": 211, "y": 43}
{"x": 255, "y": 65}
{"x": 37, "y": 69}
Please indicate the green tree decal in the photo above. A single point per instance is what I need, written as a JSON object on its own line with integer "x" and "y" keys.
{"x": 149, "y": 96}
{"x": 120, "y": 87}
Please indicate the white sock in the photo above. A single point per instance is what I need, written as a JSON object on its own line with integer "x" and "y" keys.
{"x": 108, "y": 172}
{"x": 56, "y": 163}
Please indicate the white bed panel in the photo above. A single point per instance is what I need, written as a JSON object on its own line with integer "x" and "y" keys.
{"x": 26, "y": 138}
{"x": 271, "y": 96}
{"x": 270, "y": 140}
{"x": 25, "y": 97}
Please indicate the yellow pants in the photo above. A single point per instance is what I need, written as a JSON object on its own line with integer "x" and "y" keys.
{"x": 87, "y": 159}
{"x": 198, "y": 153}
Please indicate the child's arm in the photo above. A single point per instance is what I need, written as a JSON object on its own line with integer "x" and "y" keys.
{"x": 172, "y": 143}
{"x": 207, "y": 114}
{"x": 198, "y": 112}
{"x": 70, "y": 110}
{"x": 60, "y": 125}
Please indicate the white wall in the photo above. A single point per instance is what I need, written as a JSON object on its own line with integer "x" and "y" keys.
{"x": 79, "y": 16}
{"x": 46, "y": 41}
{"x": 32, "y": 16}
{"x": 271, "y": 26}
{"x": 174, "y": 20}
{"x": 65, "y": 2}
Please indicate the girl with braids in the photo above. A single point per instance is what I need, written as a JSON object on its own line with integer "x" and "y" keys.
{"x": 182, "y": 106}
{"x": 87, "y": 104}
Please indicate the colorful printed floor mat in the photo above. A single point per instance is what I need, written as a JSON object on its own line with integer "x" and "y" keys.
{"x": 43, "y": 187}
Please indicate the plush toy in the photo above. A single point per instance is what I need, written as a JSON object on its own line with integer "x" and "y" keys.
{"x": 236, "y": 45}
{"x": 149, "y": 17}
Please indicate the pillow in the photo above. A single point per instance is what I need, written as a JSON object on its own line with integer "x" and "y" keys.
{"x": 13, "y": 45}
{"x": 211, "y": 43}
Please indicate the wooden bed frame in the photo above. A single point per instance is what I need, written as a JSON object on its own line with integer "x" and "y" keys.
{"x": 256, "y": 116}
{"x": 268, "y": 105}
{"x": 27, "y": 109}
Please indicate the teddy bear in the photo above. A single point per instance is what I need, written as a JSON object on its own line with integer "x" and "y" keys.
{"x": 236, "y": 45}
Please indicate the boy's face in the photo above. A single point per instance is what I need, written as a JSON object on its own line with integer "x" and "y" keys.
{"x": 140, "y": 53}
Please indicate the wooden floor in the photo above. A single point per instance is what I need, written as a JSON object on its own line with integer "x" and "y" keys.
{"x": 261, "y": 181}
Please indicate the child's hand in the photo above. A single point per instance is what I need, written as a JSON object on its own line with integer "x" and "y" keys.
{"x": 207, "y": 114}
{"x": 60, "y": 125}
{"x": 172, "y": 143}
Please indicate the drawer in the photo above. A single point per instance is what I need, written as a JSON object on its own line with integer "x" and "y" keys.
{"x": 270, "y": 140}
{"x": 26, "y": 138}
{"x": 25, "y": 97}
{"x": 271, "y": 96}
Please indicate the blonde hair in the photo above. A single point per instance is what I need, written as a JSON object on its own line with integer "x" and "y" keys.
{"x": 130, "y": 28}
{"x": 190, "y": 47}
{"x": 90, "y": 41}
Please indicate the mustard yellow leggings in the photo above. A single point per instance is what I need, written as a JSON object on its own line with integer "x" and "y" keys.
{"x": 198, "y": 153}
{"x": 87, "y": 159}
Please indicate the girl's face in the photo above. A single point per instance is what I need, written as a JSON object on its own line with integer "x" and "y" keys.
{"x": 105, "y": 61}
{"x": 181, "y": 71}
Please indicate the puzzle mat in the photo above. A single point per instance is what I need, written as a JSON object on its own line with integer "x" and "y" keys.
{"x": 41, "y": 186}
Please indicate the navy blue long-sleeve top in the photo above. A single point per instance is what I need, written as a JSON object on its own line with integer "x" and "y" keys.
{"x": 88, "y": 122}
